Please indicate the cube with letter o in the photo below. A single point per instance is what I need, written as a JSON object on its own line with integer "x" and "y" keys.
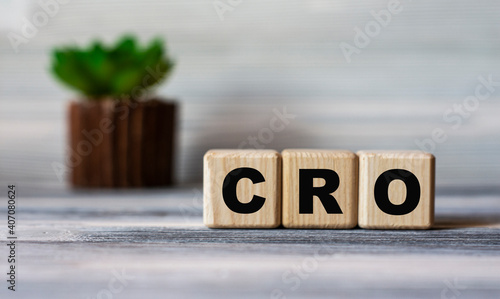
{"x": 396, "y": 189}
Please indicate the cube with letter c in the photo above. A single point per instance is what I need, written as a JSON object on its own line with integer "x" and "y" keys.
{"x": 242, "y": 189}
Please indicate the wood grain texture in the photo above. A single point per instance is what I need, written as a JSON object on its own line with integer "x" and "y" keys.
{"x": 372, "y": 164}
{"x": 92, "y": 138}
{"x": 135, "y": 145}
{"x": 107, "y": 127}
{"x": 77, "y": 175}
{"x": 122, "y": 144}
{"x": 217, "y": 164}
{"x": 70, "y": 244}
{"x": 345, "y": 164}
{"x": 273, "y": 54}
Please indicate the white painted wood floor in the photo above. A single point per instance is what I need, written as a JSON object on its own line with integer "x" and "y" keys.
{"x": 74, "y": 245}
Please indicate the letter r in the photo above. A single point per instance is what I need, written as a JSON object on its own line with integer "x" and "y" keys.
{"x": 308, "y": 191}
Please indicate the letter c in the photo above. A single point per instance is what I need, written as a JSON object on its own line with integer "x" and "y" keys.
{"x": 229, "y": 190}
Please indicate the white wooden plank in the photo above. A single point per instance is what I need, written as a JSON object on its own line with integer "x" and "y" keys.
{"x": 269, "y": 54}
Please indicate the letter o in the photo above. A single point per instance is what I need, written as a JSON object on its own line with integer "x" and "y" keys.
{"x": 40, "y": 22}
{"x": 471, "y": 103}
{"x": 372, "y": 24}
{"x": 266, "y": 139}
{"x": 382, "y": 189}
{"x": 310, "y": 264}
{"x": 81, "y": 151}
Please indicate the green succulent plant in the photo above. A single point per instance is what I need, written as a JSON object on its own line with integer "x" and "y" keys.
{"x": 124, "y": 71}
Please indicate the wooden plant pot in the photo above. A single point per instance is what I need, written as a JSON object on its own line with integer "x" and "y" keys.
{"x": 121, "y": 144}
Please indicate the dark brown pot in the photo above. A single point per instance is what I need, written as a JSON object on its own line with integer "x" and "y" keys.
{"x": 121, "y": 144}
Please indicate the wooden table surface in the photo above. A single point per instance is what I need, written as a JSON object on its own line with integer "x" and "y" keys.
{"x": 230, "y": 78}
{"x": 152, "y": 244}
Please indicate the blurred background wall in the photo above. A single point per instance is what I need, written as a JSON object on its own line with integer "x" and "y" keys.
{"x": 238, "y": 61}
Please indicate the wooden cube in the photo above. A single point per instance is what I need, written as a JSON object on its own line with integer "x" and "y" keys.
{"x": 242, "y": 189}
{"x": 320, "y": 189}
{"x": 396, "y": 189}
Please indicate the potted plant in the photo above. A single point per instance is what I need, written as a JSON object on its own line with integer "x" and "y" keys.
{"x": 120, "y": 135}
